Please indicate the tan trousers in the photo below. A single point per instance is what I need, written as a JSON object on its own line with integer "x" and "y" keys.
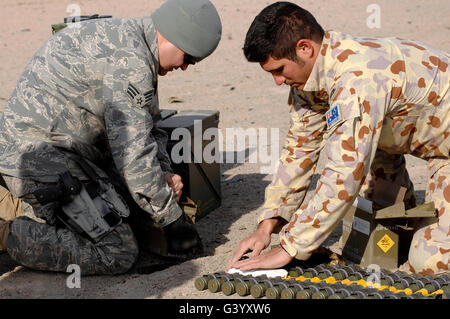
{"x": 430, "y": 248}
{"x": 10, "y": 208}
{"x": 429, "y": 252}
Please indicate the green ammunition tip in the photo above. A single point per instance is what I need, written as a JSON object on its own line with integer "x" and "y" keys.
{"x": 214, "y": 285}
{"x": 201, "y": 283}
{"x": 338, "y": 276}
{"x": 319, "y": 295}
{"x": 304, "y": 294}
{"x": 273, "y": 292}
{"x": 288, "y": 293}
{"x": 325, "y": 274}
{"x": 228, "y": 288}
{"x": 243, "y": 288}
{"x": 258, "y": 290}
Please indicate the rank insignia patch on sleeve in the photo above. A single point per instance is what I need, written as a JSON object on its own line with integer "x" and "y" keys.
{"x": 139, "y": 99}
{"x": 333, "y": 116}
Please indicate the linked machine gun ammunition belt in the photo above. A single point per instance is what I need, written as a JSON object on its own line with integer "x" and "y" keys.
{"x": 329, "y": 282}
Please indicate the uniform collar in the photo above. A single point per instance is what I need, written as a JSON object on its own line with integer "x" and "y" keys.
{"x": 323, "y": 69}
{"x": 151, "y": 40}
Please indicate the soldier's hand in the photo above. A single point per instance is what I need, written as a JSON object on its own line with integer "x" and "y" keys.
{"x": 256, "y": 242}
{"x": 174, "y": 182}
{"x": 272, "y": 259}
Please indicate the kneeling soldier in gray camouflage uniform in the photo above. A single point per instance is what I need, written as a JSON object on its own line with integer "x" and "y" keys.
{"x": 79, "y": 142}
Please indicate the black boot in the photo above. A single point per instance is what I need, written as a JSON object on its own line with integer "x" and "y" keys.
{"x": 183, "y": 239}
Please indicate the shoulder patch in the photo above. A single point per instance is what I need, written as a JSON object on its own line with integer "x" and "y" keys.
{"x": 137, "y": 98}
{"x": 333, "y": 116}
{"x": 332, "y": 94}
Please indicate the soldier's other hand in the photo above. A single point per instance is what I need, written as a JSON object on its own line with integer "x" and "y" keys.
{"x": 256, "y": 242}
{"x": 174, "y": 182}
{"x": 272, "y": 259}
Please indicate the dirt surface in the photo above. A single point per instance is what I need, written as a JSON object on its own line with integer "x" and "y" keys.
{"x": 245, "y": 96}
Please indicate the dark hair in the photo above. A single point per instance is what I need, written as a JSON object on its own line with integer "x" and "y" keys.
{"x": 276, "y": 31}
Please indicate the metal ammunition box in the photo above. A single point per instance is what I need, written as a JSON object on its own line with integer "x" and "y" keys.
{"x": 72, "y": 19}
{"x": 201, "y": 179}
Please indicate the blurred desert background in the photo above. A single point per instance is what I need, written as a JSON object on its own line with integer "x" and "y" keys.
{"x": 246, "y": 97}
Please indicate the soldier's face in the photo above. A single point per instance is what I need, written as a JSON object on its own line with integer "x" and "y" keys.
{"x": 292, "y": 73}
{"x": 170, "y": 58}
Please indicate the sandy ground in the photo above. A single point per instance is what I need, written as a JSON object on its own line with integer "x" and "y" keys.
{"x": 245, "y": 96}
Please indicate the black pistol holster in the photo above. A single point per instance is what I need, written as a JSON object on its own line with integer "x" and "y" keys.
{"x": 92, "y": 209}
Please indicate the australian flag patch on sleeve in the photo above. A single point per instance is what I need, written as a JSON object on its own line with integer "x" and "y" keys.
{"x": 333, "y": 116}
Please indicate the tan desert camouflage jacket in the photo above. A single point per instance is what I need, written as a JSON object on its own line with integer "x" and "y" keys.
{"x": 363, "y": 94}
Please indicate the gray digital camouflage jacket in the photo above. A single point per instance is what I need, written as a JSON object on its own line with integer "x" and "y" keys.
{"x": 91, "y": 89}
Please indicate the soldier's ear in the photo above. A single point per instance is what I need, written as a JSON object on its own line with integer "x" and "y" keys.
{"x": 305, "y": 48}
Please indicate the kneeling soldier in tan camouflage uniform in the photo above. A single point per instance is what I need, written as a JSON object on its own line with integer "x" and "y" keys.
{"x": 79, "y": 142}
{"x": 364, "y": 102}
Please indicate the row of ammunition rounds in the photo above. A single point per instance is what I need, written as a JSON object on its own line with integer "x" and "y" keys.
{"x": 399, "y": 280}
{"x": 229, "y": 284}
{"x": 328, "y": 282}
